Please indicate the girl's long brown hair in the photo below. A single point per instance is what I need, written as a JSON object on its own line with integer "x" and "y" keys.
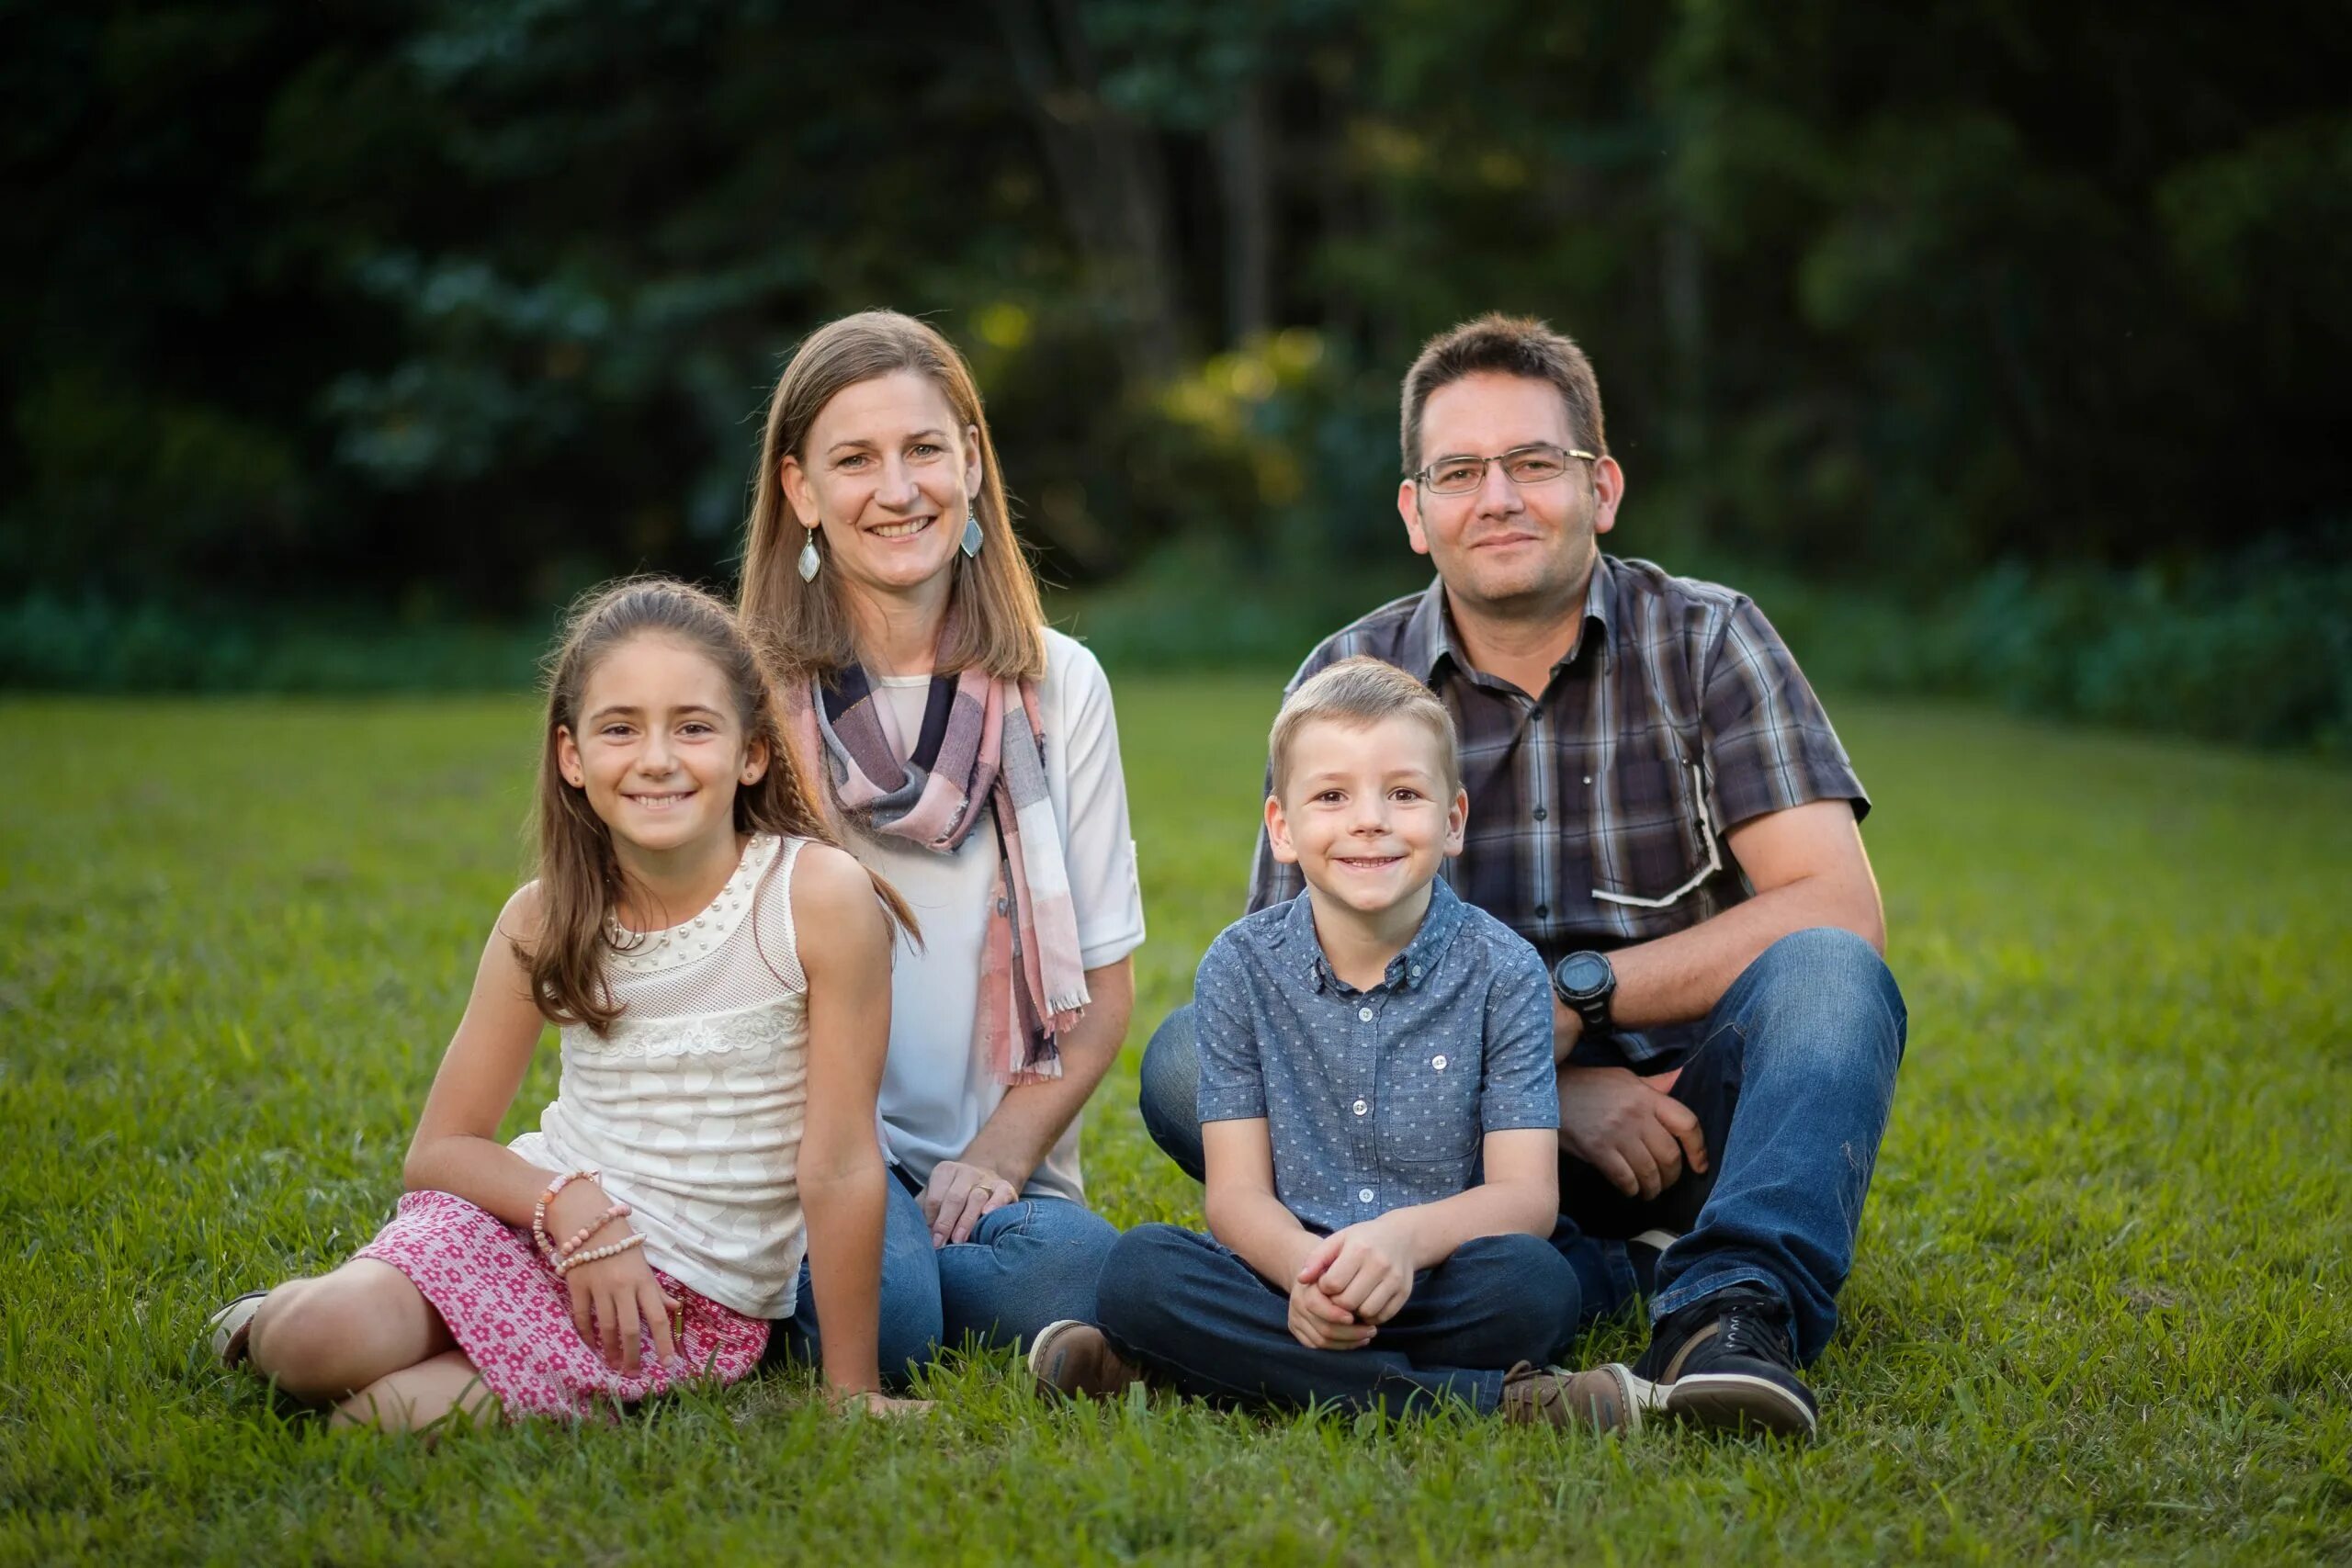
{"x": 805, "y": 627}
{"x": 579, "y": 875}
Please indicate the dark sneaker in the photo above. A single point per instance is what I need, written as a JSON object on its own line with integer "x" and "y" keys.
{"x": 227, "y": 1329}
{"x": 1724, "y": 1362}
{"x": 1606, "y": 1399}
{"x": 1070, "y": 1357}
{"x": 1644, "y": 1252}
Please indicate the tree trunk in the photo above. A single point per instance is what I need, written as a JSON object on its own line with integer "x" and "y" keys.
{"x": 1105, "y": 170}
{"x": 1245, "y": 182}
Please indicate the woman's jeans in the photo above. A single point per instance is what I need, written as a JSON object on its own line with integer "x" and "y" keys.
{"x": 1026, "y": 1265}
{"x": 1792, "y": 1087}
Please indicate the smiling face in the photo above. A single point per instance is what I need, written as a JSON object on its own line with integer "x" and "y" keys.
{"x": 1366, "y": 811}
{"x": 659, "y": 750}
{"x": 886, "y": 476}
{"x": 1506, "y": 550}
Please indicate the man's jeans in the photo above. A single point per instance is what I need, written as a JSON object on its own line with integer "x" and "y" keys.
{"x": 1026, "y": 1265}
{"x": 1177, "y": 1301}
{"x": 1792, "y": 1087}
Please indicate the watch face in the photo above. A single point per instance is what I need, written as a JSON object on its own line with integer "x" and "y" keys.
{"x": 1580, "y": 974}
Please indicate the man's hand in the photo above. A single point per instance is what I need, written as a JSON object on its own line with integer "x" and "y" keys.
{"x": 1366, "y": 1269}
{"x": 956, "y": 1196}
{"x": 1628, "y": 1129}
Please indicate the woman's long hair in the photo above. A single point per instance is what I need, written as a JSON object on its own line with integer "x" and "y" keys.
{"x": 805, "y": 627}
{"x": 580, "y": 876}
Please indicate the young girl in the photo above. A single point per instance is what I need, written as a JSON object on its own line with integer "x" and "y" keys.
{"x": 720, "y": 973}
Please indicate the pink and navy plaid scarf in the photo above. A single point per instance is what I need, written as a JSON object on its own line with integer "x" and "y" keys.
{"x": 982, "y": 745}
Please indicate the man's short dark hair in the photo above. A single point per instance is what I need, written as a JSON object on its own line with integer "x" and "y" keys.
{"x": 1507, "y": 345}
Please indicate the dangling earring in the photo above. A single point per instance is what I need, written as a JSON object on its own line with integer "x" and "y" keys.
{"x": 810, "y": 561}
{"x": 972, "y": 532}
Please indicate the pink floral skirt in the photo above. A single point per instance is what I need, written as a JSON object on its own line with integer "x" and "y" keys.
{"x": 511, "y": 1316}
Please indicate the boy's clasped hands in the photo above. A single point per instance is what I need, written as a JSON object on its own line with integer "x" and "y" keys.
{"x": 1353, "y": 1280}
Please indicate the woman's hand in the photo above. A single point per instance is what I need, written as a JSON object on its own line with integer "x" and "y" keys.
{"x": 616, "y": 1300}
{"x": 957, "y": 1195}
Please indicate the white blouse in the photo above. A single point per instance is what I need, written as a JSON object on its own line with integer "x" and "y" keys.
{"x": 935, "y": 1093}
{"x": 692, "y": 1107}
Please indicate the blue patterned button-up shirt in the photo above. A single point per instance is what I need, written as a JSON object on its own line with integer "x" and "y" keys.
{"x": 1374, "y": 1099}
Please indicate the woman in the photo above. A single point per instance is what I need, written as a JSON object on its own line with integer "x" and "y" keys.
{"x": 972, "y": 753}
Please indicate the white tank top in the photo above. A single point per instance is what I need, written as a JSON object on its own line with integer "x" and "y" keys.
{"x": 692, "y": 1107}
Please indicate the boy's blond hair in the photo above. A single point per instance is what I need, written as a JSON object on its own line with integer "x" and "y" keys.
{"x": 1359, "y": 692}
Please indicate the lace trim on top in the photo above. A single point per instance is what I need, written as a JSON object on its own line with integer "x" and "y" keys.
{"x": 761, "y": 1025}
{"x": 645, "y": 953}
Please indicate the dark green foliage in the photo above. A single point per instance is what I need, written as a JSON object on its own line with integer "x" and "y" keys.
{"x": 2257, "y": 652}
{"x": 444, "y": 308}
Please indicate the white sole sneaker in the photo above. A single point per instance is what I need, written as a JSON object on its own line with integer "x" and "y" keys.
{"x": 1070, "y": 1358}
{"x": 1637, "y": 1396}
{"x": 228, "y": 1327}
{"x": 1730, "y": 1401}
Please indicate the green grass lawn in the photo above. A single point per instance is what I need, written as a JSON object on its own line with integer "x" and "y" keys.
{"x": 2099, "y": 1312}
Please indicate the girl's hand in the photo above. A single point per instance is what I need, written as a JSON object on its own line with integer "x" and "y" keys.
{"x": 871, "y": 1401}
{"x": 616, "y": 1302}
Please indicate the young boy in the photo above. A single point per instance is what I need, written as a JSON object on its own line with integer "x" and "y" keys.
{"x": 1365, "y": 1049}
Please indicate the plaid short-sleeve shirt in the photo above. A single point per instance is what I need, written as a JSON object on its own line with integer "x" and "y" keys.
{"x": 1597, "y": 807}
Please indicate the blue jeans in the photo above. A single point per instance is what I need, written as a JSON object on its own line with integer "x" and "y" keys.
{"x": 1193, "y": 1312}
{"x": 1792, "y": 1087}
{"x": 1026, "y": 1265}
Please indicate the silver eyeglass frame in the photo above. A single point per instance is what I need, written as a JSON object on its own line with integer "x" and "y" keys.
{"x": 1421, "y": 476}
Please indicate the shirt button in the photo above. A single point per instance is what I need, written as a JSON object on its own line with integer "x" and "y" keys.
{"x": 1439, "y": 1063}
{"x": 1534, "y": 716}
{"x": 1415, "y": 972}
{"x": 1361, "y": 1108}
{"x": 1364, "y": 1013}
{"x": 1588, "y": 778}
{"x": 1364, "y": 1195}
{"x": 1540, "y": 813}
{"x": 1542, "y": 910}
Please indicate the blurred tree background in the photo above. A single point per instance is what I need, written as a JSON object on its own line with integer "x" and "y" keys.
{"x": 1998, "y": 348}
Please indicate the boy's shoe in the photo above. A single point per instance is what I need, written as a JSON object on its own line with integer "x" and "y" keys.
{"x": 228, "y": 1327}
{"x": 1070, "y": 1358}
{"x": 1607, "y": 1399}
{"x": 1724, "y": 1362}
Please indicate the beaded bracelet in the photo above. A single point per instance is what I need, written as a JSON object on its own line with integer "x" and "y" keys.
{"x": 539, "y": 1209}
{"x": 565, "y": 1266}
{"x": 617, "y": 1212}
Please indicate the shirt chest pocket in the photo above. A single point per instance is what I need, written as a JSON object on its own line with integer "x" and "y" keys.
{"x": 1654, "y": 846}
{"x": 1430, "y": 1109}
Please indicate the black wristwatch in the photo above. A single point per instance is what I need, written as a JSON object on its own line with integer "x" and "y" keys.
{"x": 1588, "y": 983}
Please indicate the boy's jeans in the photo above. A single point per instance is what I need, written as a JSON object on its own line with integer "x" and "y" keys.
{"x": 1792, "y": 1087}
{"x": 1193, "y": 1311}
{"x": 1025, "y": 1266}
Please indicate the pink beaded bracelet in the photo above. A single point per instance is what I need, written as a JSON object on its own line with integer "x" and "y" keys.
{"x": 617, "y": 1212}
{"x": 539, "y": 1209}
{"x": 565, "y": 1266}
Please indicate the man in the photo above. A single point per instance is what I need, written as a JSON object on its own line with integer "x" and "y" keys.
{"x": 1659, "y": 804}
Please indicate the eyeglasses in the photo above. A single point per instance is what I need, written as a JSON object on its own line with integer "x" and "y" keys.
{"x": 1538, "y": 464}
